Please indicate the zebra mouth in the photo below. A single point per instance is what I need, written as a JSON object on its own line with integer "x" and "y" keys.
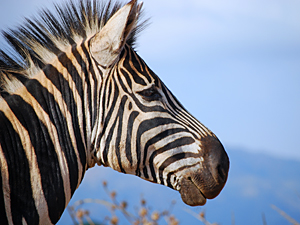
{"x": 190, "y": 193}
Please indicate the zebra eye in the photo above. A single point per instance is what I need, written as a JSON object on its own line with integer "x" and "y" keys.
{"x": 150, "y": 94}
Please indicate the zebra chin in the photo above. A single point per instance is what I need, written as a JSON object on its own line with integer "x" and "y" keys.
{"x": 190, "y": 194}
{"x": 194, "y": 191}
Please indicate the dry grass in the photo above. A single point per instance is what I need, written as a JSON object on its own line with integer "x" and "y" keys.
{"x": 143, "y": 214}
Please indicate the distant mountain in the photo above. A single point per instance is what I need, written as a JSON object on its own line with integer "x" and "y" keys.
{"x": 255, "y": 182}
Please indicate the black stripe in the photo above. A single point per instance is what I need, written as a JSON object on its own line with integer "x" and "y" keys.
{"x": 67, "y": 63}
{"x": 142, "y": 65}
{"x": 52, "y": 181}
{"x": 109, "y": 93}
{"x": 173, "y": 159}
{"x": 128, "y": 58}
{"x": 189, "y": 120}
{"x": 57, "y": 80}
{"x": 91, "y": 71}
{"x": 118, "y": 75}
{"x": 178, "y": 115}
{"x": 119, "y": 132}
{"x": 102, "y": 102}
{"x": 47, "y": 102}
{"x": 157, "y": 138}
{"x": 169, "y": 184}
{"x": 135, "y": 60}
{"x": 22, "y": 202}
{"x": 128, "y": 149}
{"x": 126, "y": 75}
{"x": 143, "y": 127}
{"x": 166, "y": 92}
{"x": 135, "y": 99}
{"x": 143, "y": 108}
{"x": 175, "y": 144}
{"x": 84, "y": 70}
{"x": 106, "y": 121}
{"x": 62, "y": 85}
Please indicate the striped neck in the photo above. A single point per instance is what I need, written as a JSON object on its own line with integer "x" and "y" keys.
{"x": 53, "y": 129}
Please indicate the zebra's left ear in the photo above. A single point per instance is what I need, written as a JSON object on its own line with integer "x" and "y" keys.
{"x": 106, "y": 45}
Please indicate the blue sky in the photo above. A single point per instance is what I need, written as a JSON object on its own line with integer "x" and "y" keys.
{"x": 234, "y": 65}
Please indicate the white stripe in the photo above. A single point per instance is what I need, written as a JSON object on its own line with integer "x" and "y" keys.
{"x": 185, "y": 162}
{"x": 161, "y": 158}
{"x": 35, "y": 178}
{"x": 24, "y": 221}
{"x": 45, "y": 119}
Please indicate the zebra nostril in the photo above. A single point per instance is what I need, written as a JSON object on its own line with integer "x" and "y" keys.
{"x": 221, "y": 173}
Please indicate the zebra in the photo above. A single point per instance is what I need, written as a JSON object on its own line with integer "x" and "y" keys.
{"x": 75, "y": 93}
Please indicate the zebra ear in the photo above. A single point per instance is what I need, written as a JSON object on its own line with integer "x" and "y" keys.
{"x": 107, "y": 44}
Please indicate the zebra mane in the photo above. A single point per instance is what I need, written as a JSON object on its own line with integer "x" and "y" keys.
{"x": 35, "y": 43}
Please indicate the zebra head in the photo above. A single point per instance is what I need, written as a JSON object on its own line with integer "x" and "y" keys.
{"x": 142, "y": 129}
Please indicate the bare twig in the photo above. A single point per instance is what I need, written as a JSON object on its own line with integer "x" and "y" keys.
{"x": 264, "y": 219}
{"x": 71, "y": 213}
{"x": 144, "y": 215}
{"x": 200, "y": 216}
{"x": 286, "y": 216}
{"x": 232, "y": 218}
{"x": 91, "y": 200}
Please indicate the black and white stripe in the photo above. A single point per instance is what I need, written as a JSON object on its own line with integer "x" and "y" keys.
{"x": 75, "y": 94}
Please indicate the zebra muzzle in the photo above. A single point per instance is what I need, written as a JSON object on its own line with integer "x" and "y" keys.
{"x": 207, "y": 182}
{"x": 190, "y": 193}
